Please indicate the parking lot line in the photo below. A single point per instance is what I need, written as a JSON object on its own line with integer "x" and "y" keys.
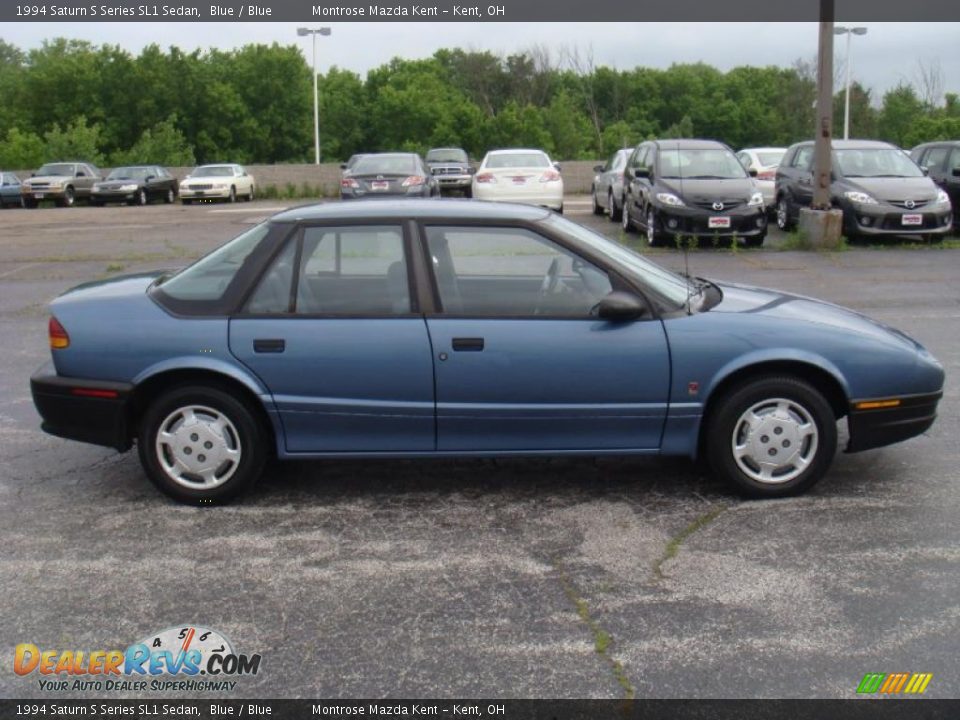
{"x": 8, "y": 273}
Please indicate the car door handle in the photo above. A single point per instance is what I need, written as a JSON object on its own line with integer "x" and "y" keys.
{"x": 468, "y": 344}
{"x": 272, "y": 345}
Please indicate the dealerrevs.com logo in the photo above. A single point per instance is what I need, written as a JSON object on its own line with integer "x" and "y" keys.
{"x": 188, "y": 658}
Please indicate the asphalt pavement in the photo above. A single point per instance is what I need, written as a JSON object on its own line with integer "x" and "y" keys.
{"x": 485, "y": 578}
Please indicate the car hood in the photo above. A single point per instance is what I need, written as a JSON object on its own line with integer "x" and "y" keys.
{"x": 48, "y": 178}
{"x": 788, "y": 307}
{"x": 915, "y": 188}
{"x": 209, "y": 178}
{"x": 739, "y": 189}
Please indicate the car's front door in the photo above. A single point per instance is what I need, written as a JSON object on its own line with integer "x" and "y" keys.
{"x": 331, "y": 330}
{"x": 523, "y": 363}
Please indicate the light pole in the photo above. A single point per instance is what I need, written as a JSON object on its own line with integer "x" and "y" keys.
{"x": 303, "y": 32}
{"x": 841, "y": 30}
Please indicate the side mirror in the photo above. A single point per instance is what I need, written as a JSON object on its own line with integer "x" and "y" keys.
{"x": 642, "y": 172}
{"x": 148, "y": 178}
{"x": 621, "y": 306}
{"x": 753, "y": 172}
{"x": 471, "y": 170}
{"x": 557, "y": 167}
{"x": 598, "y": 168}
{"x": 343, "y": 166}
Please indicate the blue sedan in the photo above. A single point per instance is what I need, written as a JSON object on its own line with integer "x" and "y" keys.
{"x": 461, "y": 328}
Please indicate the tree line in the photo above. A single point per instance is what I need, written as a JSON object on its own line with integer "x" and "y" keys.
{"x": 74, "y": 99}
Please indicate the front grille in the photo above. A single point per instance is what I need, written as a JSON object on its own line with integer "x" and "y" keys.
{"x": 201, "y": 187}
{"x": 708, "y": 204}
{"x": 448, "y": 171}
{"x": 895, "y": 222}
{"x": 903, "y": 203}
{"x": 39, "y": 185}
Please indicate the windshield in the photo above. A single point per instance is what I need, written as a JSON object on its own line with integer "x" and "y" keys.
{"x": 447, "y": 155}
{"x": 385, "y": 165}
{"x": 669, "y": 286}
{"x": 56, "y": 169}
{"x": 213, "y": 171}
{"x": 208, "y": 277}
{"x": 876, "y": 162}
{"x": 767, "y": 158}
{"x": 129, "y": 173}
{"x": 701, "y": 164}
{"x": 518, "y": 160}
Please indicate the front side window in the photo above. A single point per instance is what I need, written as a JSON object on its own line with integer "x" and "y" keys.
{"x": 357, "y": 270}
{"x": 511, "y": 272}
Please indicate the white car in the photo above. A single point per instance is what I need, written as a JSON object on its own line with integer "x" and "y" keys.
{"x": 522, "y": 176}
{"x": 217, "y": 182}
{"x": 765, "y": 161}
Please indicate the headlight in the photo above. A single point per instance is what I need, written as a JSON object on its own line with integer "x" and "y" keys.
{"x": 859, "y": 197}
{"x": 755, "y": 199}
{"x": 219, "y": 186}
{"x": 96, "y": 187}
{"x": 127, "y": 188}
{"x": 670, "y": 199}
{"x": 183, "y": 185}
{"x": 942, "y": 197}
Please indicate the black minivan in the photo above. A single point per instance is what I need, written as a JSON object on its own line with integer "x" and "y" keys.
{"x": 941, "y": 161}
{"x": 879, "y": 188}
{"x": 691, "y": 188}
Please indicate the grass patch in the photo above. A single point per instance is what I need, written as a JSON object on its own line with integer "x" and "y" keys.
{"x": 673, "y": 547}
{"x": 116, "y": 267}
{"x": 291, "y": 191}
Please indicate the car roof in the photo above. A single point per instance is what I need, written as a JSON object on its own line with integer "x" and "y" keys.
{"x": 856, "y": 144}
{"x": 509, "y": 151}
{"x": 453, "y": 209}
{"x": 764, "y": 149}
{"x": 951, "y": 143}
{"x": 689, "y": 144}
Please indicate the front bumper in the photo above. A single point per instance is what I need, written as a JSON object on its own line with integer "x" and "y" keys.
{"x": 688, "y": 221}
{"x": 879, "y": 426}
{"x": 43, "y": 193}
{"x": 108, "y": 196}
{"x": 212, "y": 194}
{"x": 882, "y": 219}
{"x": 90, "y": 411}
{"x": 420, "y": 192}
{"x": 552, "y": 198}
{"x": 458, "y": 182}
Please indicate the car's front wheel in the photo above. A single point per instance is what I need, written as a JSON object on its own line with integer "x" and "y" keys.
{"x": 771, "y": 437}
{"x": 613, "y": 212}
{"x": 69, "y": 197}
{"x": 597, "y": 208}
{"x": 201, "y": 445}
{"x": 170, "y": 196}
{"x": 232, "y": 198}
{"x": 625, "y": 221}
{"x": 784, "y": 221}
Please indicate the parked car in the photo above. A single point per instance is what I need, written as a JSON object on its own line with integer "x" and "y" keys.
{"x": 381, "y": 175}
{"x": 217, "y": 182}
{"x": 941, "y": 161}
{"x": 524, "y": 176}
{"x": 879, "y": 188}
{"x": 10, "y": 190}
{"x": 416, "y": 328}
{"x": 607, "y": 188}
{"x": 452, "y": 168}
{"x": 764, "y": 161}
{"x": 691, "y": 189}
{"x": 62, "y": 182}
{"x": 135, "y": 185}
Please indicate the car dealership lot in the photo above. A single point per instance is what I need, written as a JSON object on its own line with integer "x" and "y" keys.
{"x": 510, "y": 578}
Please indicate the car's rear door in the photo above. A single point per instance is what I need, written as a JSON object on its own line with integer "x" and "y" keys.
{"x": 333, "y": 331}
{"x": 522, "y": 364}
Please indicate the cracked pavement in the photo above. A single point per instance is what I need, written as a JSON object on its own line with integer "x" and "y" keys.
{"x": 502, "y": 578}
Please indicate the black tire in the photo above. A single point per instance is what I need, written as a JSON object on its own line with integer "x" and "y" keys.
{"x": 654, "y": 238}
{"x": 626, "y": 223}
{"x": 30, "y": 204}
{"x": 468, "y": 192}
{"x": 784, "y": 221}
{"x": 597, "y": 209}
{"x": 250, "y": 194}
{"x": 186, "y": 201}
{"x": 140, "y": 198}
{"x": 69, "y": 198}
{"x": 97, "y": 203}
{"x": 233, "y": 195}
{"x": 249, "y": 437}
{"x": 725, "y": 425}
{"x": 755, "y": 241}
{"x": 170, "y": 196}
{"x": 613, "y": 212}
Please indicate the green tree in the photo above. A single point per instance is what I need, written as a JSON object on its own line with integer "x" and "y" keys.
{"x": 78, "y": 141}
{"x": 163, "y": 144}
{"x": 21, "y": 150}
{"x": 901, "y": 109}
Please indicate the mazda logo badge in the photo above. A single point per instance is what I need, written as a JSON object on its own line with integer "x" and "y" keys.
{"x": 910, "y": 204}
{"x": 718, "y": 206}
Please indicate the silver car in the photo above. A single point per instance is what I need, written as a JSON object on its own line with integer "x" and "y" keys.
{"x": 607, "y": 188}
{"x": 765, "y": 161}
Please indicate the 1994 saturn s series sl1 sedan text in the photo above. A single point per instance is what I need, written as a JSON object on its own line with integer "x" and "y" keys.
{"x": 418, "y": 328}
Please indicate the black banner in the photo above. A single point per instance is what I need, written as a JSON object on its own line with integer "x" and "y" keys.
{"x": 469, "y": 10}
{"x": 888, "y": 709}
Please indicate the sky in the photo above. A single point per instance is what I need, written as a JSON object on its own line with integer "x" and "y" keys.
{"x": 887, "y": 55}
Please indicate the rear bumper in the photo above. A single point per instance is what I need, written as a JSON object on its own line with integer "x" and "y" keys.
{"x": 90, "y": 411}
{"x": 885, "y": 426}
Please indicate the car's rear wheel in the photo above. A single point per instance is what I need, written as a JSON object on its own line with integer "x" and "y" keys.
{"x": 625, "y": 221}
{"x": 201, "y": 445}
{"x": 597, "y": 208}
{"x": 771, "y": 437}
{"x": 784, "y": 221}
{"x": 250, "y": 194}
{"x": 613, "y": 212}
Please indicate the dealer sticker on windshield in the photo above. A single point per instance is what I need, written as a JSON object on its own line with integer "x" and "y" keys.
{"x": 718, "y": 222}
{"x": 912, "y": 219}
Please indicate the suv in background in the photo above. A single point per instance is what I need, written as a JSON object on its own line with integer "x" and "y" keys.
{"x": 62, "y": 182}
{"x": 941, "y": 161}
{"x": 691, "y": 188}
{"x": 879, "y": 188}
{"x": 451, "y": 167}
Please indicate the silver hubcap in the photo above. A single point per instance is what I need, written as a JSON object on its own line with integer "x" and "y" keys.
{"x": 198, "y": 447}
{"x": 651, "y": 232}
{"x": 774, "y": 441}
{"x": 782, "y": 214}
{"x": 625, "y": 218}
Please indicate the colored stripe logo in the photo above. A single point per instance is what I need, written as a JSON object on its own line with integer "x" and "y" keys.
{"x": 894, "y": 683}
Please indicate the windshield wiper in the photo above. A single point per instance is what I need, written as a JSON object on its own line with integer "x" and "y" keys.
{"x": 708, "y": 177}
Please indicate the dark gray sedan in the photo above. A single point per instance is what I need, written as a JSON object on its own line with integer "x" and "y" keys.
{"x": 10, "y": 190}
{"x": 607, "y": 188}
{"x": 388, "y": 175}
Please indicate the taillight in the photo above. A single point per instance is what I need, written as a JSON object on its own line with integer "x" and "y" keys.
{"x": 485, "y": 178}
{"x": 58, "y": 334}
{"x": 550, "y": 176}
{"x": 413, "y": 181}
{"x": 349, "y": 183}
{"x": 767, "y": 175}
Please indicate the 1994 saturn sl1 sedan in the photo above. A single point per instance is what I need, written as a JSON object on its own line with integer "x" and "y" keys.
{"x": 417, "y": 328}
